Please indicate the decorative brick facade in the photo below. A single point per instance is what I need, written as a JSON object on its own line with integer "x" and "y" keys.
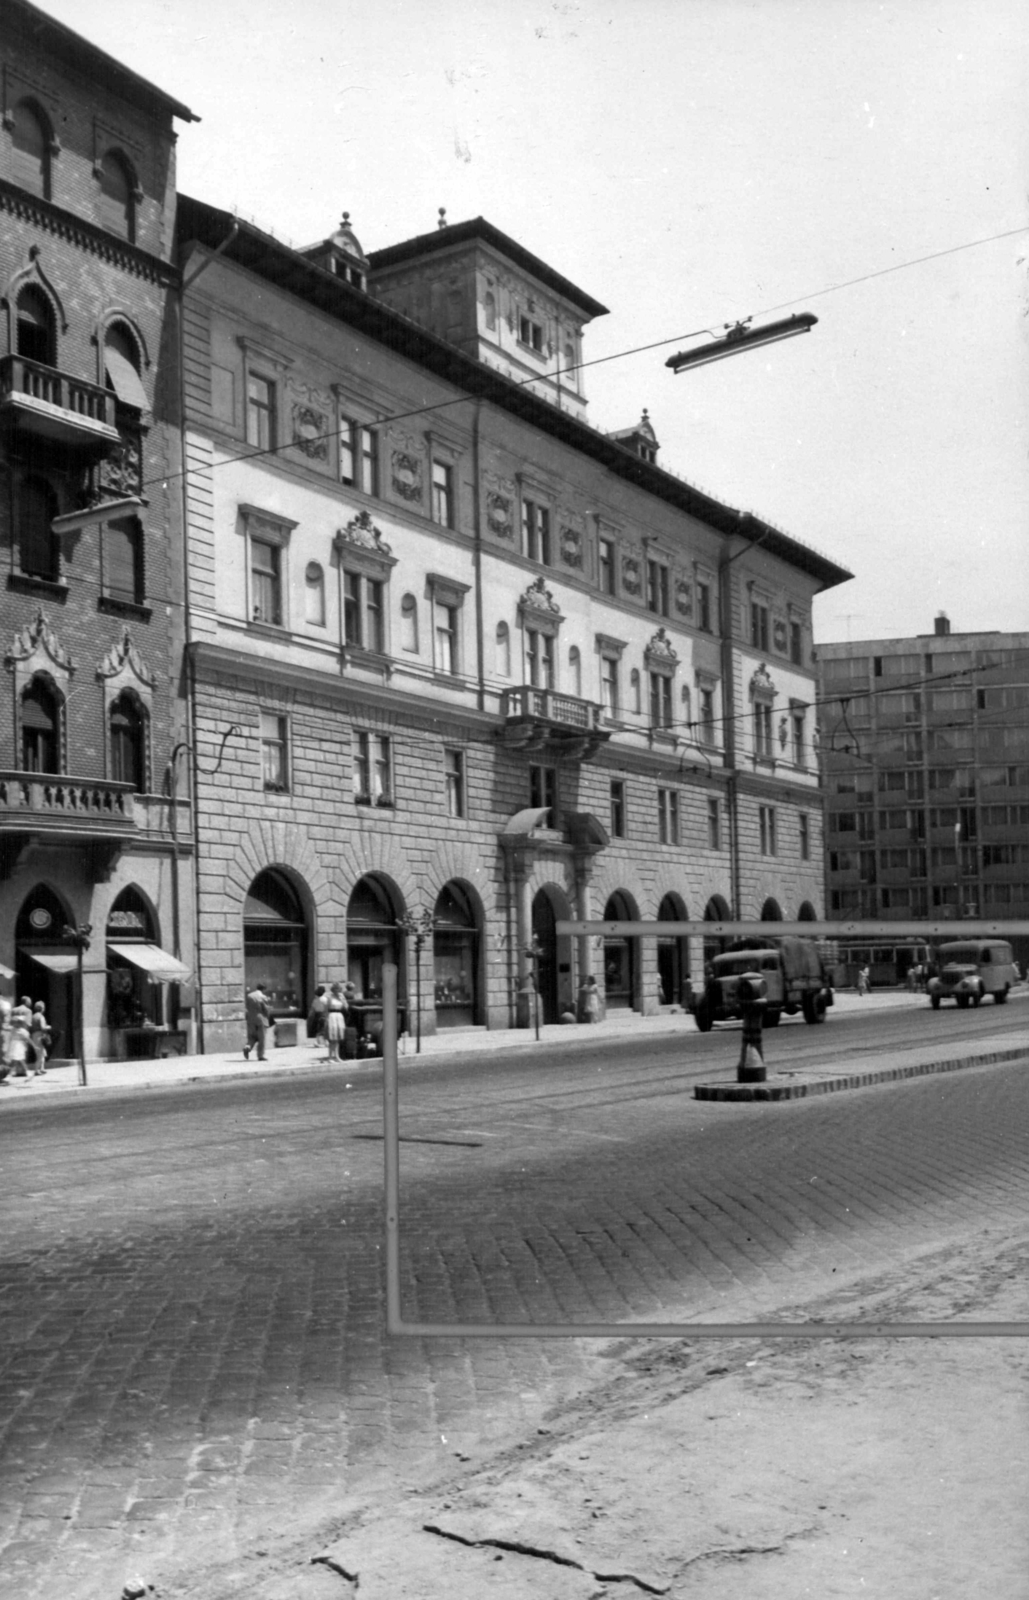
{"x": 91, "y": 616}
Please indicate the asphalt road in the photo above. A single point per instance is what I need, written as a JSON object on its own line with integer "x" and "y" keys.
{"x": 193, "y": 1364}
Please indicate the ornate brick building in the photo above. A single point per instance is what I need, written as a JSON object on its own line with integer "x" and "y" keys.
{"x": 91, "y": 539}
{"x": 458, "y": 659}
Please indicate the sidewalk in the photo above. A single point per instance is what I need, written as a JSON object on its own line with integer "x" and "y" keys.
{"x": 306, "y": 1057}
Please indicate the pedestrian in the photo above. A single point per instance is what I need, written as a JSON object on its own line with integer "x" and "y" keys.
{"x": 5, "y": 1035}
{"x": 589, "y": 998}
{"x": 39, "y": 1033}
{"x": 18, "y": 1044}
{"x": 863, "y": 981}
{"x": 335, "y": 1022}
{"x": 317, "y": 1013}
{"x": 259, "y": 1018}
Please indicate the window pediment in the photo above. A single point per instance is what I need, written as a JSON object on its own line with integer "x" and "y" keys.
{"x": 538, "y": 609}
{"x": 660, "y": 654}
{"x": 761, "y": 685}
{"x": 607, "y": 645}
{"x": 446, "y": 591}
{"x": 267, "y": 525}
{"x": 360, "y": 544}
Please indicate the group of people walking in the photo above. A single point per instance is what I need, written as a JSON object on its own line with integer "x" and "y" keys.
{"x": 25, "y": 1038}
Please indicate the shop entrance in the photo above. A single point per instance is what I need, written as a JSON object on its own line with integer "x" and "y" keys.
{"x": 620, "y": 956}
{"x": 45, "y": 966}
{"x": 673, "y": 961}
{"x": 554, "y": 963}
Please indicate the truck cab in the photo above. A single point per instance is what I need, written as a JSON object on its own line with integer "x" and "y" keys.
{"x": 794, "y": 977}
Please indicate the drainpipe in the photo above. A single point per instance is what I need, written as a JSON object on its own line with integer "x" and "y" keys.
{"x": 480, "y": 642}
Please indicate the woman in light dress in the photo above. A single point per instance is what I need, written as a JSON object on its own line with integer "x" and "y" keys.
{"x": 335, "y": 1022}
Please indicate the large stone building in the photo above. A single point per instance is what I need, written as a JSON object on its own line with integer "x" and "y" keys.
{"x": 458, "y": 658}
{"x": 925, "y": 744}
{"x": 91, "y": 531}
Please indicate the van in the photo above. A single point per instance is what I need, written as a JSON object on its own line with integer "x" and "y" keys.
{"x": 968, "y": 969}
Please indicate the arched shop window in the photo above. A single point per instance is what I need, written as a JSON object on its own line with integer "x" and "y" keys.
{"x": 45, "y": 966}
{"x": 673, "y": 960}
{"x": 275, "y": 943}
{"x": 372, "y": 937}
{"x": 455, "y": 958}
{"x": 619, "y": 956}
{"x": 132, "y": 999}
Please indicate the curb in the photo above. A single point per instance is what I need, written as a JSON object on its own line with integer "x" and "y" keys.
{"x": 794, "y": 1090}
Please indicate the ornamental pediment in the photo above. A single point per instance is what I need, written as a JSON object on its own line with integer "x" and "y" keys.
{"x": 361, "y": 533}
{"x": 539, "y": 601}
{"x": 122, "y": 659}
{"x": 38, "y": 640}
{"x": 660, "y": 650}
{"x": 761, "y": 685}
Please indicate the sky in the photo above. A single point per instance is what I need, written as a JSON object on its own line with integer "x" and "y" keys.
{"x": 691, "y": 163}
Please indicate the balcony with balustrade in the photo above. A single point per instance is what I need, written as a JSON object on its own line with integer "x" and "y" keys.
{"x": 53, "y": 405}
{"x": 544, "y": 722}
{"x": 93, "y": 815}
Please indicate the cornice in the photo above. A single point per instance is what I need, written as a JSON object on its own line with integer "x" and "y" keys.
{"x": 351, "y": 693}
{"x": 83, "y": 235}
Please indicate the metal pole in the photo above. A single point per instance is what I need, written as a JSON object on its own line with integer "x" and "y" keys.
{"x": 391, "y": 1145}
{"x": 82, "y": 1019}
{"x": 418, "y": 992}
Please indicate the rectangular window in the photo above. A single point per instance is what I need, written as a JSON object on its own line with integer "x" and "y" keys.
{"x": 530, "y": 333}
{"x": 609, "y": 684}
{"x": 668, "y": 816}
{"x": 805, "y": 837}
{"x": 660, "y": 700}
{"x": 536, "y": 532}
{"x": 363, "y": 616}
{"x": 657, "y": 588}
{"x": 453, "y": 768}
{"x": 443, "y": 493}
{"x": 275, "y": 752}
{"x": 358, "y": 456}
{"x": 799, "y": 753}
{"x": 766, "y": 826}
{"x": 714, "y": 826}
{"x": 707, "y": 716}
{"x": 617, "y": 808}
{"x": 446, "y": 638}
{"x": 763, "y": 730}
{"x": 704, "y": 607}
{"x": 606, "y": 565}
{"x": 266, "y": 582}
{"x": 260, "y": 412}
{"x": 796, "y": 646}
{"x": 123, "y": 560}
{"x": 539, "y": 659}
{"x": 759, "y": 626}
{"x": 543, "y": 789}
{"x": 373, "y": 769}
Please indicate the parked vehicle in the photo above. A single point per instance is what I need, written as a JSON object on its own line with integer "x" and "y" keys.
{"x": 969, "y": 969}
{"x": 794, "y": 974}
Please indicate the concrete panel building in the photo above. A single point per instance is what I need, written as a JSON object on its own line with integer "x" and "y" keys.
{"x": 925, "y": 747}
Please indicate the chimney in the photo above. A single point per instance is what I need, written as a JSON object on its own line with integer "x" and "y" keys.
{"x": 942, "y": 625}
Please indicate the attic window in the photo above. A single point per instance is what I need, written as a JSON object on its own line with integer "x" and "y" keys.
{"x": 530, "y": 333}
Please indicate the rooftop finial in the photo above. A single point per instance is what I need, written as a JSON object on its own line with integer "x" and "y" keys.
{"x": 442, "y": 217}
{"x": 346, "y": 220}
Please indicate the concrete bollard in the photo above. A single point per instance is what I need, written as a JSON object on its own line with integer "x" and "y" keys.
{"x": 752, "y": 992}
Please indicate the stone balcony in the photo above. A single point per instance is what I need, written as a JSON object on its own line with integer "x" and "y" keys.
{"x": 544, "y": 722}
{"x": 53, "y": 405}
{"x": 43, "y": 808}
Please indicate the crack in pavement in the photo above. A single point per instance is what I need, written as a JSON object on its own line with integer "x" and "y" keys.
{"x": 547, "y": 1555}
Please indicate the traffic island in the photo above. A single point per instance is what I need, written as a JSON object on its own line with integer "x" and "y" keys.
{"x": 799, "y": 1084}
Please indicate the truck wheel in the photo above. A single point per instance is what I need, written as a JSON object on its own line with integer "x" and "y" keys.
{"x": 814, "y": 1008}
{"x": 1000, "y": 995}
{"x": 772, "y": 1019}
{"x": 934, "y": 1001}
{"x": 977, "y": 998}
{"x": 962, "y": 1000}
{"x": 702, "y": 1017}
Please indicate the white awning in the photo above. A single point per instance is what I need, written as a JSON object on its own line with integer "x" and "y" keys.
{"x": 56, "y": 960}
{"x": 154, "y": 961}
{"x": 5, "y": 972}
{"x": 125, "y": 380}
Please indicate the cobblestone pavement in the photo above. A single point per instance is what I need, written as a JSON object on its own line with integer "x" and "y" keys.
{"x": 194, "y": 1371}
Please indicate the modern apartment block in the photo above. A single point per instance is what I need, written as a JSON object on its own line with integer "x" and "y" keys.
{"x": 925, "y": 751}
{"x": 91, "y": 538}
{"x": 458, "y": 660}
